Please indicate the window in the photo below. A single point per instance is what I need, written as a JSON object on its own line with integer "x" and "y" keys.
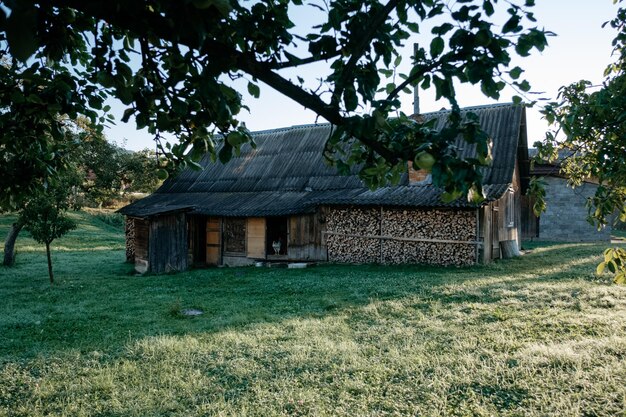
{"x": 235, "y": 236}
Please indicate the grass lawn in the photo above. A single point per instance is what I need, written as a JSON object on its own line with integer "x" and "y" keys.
{"x": 534, "y": 336}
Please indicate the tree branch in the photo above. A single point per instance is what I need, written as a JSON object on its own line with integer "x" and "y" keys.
{"x": 136, "y": 18}
{"x": 304, "y": 61}
{"x": 264, "y": 73}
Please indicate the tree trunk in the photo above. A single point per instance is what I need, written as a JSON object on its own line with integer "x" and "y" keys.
{"x": 9, "y": 244}
{"x": 49, "y": 263}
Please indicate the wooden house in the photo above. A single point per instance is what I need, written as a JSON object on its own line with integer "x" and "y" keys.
{"x": 281, "y": 202}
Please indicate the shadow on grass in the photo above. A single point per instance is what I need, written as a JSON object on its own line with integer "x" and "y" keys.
{"x": 98, "y": 305}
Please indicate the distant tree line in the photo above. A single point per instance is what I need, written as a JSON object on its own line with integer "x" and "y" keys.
{"x": 110, "y": 172}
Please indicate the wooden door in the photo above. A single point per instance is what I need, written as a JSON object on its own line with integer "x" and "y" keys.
{"x": 256, "y": 237}
{"x": 213, "y": 239}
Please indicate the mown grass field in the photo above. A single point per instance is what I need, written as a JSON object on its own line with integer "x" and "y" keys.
{"x": 535, "y": 336}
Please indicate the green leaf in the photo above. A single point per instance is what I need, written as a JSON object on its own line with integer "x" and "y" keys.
{"x": 612, "y": 267}
{"x": 254, "y": 90}
{"x": 524, "y": 86}
{"x": 516, "y": 72}
{"x": 436, "y": 46}
{"x": 512, "y": 25}
{"x": 127, "y": 114}
{"x": 223, "y": 6}
{"x": 226, "y": 153}
{"x": 600, "y": 268}
{"x": 449, "y": 197}
{"x": 235, "y": 139}
{"x": 20, "y": 32}
{"x": 488, "y": 8}
{"x": 162, "y": 174}
{"x": 350, "y": 99}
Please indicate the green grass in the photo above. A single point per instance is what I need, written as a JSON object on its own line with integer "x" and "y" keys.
{"x": 534, "y": 336}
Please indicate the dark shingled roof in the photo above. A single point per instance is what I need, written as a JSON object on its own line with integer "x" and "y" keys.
{"x": 287, "y": 174}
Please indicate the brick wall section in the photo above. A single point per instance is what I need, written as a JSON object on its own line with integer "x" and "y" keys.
{"x": 457, "y": 225}
{"x": 416, "y": 175}
{"x": 565, "y": 218}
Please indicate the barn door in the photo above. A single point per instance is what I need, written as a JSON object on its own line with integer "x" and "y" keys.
{"x": 213, "y": 239}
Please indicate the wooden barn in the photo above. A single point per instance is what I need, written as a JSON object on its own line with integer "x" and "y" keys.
{"x": 282, "y": 202}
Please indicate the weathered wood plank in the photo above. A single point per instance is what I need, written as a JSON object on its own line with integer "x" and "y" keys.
{"x": 168, "y": 244}
{"x": 213, "y": 241}
{"x": 256, "y": 237}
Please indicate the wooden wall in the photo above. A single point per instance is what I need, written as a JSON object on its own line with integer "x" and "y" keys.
{"x": 305, "y": 237}
{"x": 168, "y": 245}
{"x": 501, "y": 223}
{"x": 304, "y": 243}
{"x": 529, "y": 222}
{"x": 501, "y": 237}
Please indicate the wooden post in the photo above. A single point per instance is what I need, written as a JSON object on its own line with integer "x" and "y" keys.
{"x": 477, "y": 234}
{"x": 380, "y": 232}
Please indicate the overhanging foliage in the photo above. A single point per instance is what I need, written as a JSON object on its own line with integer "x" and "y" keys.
{"x": 171, "y": 64}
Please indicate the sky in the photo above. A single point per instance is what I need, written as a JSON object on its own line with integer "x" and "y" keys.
{"x": 581, "y": 49}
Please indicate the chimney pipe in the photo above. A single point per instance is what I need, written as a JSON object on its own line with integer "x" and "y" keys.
{"x": 416, "y": 97}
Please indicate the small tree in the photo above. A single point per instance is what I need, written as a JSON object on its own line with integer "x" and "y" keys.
{"x": 44, "y": 217}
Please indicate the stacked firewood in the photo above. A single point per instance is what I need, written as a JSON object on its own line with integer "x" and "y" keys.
{"x": 398, "y": 252}
{"x": 129, "y": 231}
{"x": 430, "y": 224}
{"x": 355, "y": 235}
{"x": 353, "y": 250}
{"x": 354, "y": 220}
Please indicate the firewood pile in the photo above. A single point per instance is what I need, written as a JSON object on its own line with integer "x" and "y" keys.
{"x": 354, "y": 220}
{"x": 398, "y": 252}
{"x": 400, "y": 236}
{"x": 129, "y": 231}
{"x": 430, "y": 224}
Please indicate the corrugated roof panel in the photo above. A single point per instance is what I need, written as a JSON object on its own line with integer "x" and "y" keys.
{"x": 287, "y": 173}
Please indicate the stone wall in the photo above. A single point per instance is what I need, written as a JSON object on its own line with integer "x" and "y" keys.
{"x": 565, "y": 218}
{"x": 369, "y": 235}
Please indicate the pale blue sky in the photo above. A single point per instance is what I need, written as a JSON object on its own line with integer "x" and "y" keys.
{"x": 581, "y": 50}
